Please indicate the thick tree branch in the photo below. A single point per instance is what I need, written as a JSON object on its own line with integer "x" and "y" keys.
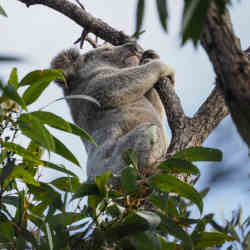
{"x": 231, "y": 66}
{"x": 186, "y": 132}
{"x": 209, "y": 115}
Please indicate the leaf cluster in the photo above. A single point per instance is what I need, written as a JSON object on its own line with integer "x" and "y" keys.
{"x": 193, "y": 17}
{"x": 140, "y": 209}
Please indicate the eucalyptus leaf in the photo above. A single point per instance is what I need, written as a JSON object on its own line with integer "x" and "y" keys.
{"x": 193, "y": 19}
{"x": 179, "y": 166}
{"x": 178, "y": 232}
{"x": 128, "y": 180}
{"x": 11, "y": 92}
{"x": 41, "y": 76}
{"x": 2, "y": 12}
{"x": 13, "y": 79}
{"x": 63, "y": 151}
{"x": 67, "y": 184}
{"x": 86, "y": 189}
{"x": 199, "y": 154}
{"x": 52, "y": 120}
{"x": 34, "y": 129}
{"x": 140, "y": 10}
{"x": 10, "y": 146}
{"x": 162, "y": 8}
{"x": 169, "y": 183}
{"x": 210, "y": 239}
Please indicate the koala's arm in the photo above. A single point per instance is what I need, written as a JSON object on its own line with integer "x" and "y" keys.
{"x": 129, "y": 84}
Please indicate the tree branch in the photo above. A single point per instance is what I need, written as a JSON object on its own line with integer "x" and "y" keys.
{"x": 231, "y": 66}
{"x": 84, "y": 19}
{"x": 186, "y": 132}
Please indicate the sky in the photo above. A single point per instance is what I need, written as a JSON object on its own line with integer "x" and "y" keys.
{"x": 38, "y": 33}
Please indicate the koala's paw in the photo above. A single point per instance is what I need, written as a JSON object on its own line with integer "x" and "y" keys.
{"x": 149, "y": 55}
{"x": 167, "y": 71}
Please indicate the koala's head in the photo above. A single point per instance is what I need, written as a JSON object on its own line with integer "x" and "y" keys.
{"x": 75, "y": 65}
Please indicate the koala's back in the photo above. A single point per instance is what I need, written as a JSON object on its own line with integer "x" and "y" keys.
{"x": 130, "y": 116}
{"x": 108, "y": 127}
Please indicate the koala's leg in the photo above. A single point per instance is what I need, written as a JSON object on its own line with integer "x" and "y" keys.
{"x": 146, "y": 140}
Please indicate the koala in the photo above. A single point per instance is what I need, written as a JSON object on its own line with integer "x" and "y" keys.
{"x": 130, "y": 115}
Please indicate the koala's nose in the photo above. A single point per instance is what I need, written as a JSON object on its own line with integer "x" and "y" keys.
{"x": 134, "y": 48}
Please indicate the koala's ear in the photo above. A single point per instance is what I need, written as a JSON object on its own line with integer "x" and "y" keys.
{"x": 66, "y": 61}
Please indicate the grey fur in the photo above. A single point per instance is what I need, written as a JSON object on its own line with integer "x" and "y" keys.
{"x": 131, "y": 113}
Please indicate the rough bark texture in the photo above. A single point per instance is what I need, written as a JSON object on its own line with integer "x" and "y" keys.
{"x": 231, "y": 65}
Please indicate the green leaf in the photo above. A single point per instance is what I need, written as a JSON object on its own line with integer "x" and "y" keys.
{"x": 63, "y": 151}
{"x": 210, "y": 239}
{"x": 140, "y": 10}
{"x": 67, "y": 184}
{"x": 34, "y": 129}
{"x": 22, "y": 152}
{"x": 20, "y": 243}
{"x": 11, "y": 200}
{"x": 169, "y": 183}
{"x": 178, "y": 232}
{"x": 133, "y": 224}
{"x": 33, "y": 92}
{"x": 13, "y": 79}
{"x": 19, "y": 216}
{"x": 128, "y": 180}
{"x": 46, "y": 194}
{"x": 60, "y": 168}
{"x": 162, "y": 12}
{"x": 79, "y": 131}
{"x": 11, "y": 92}
{"x": 168, "y": 245}
{"x": 146, "y": 241}
{"x": 204, "y": 192}
{"x": 130, "y": 157}
{"x": 101, "y": 181}
{"x": 64, "y": 219}
{"x": 41, "y": 76}
{"x": 86, "y": 189}
{"x": 7, "y": 170}
{"x": 2, "y": 12}
{"x": 52, "y": 120}
{"x": 38, "y": 209}
{"x": 199, "y": 154}
{"x": 222, "y": 5}
{"x": 179, "y": 166}
{"x": 160, "y": 201}
{"x": 24, "y": 175}
{"x": 193, "y": 19}
{"x": 38, "y": 81}
{"x": 7, "y": 231}
{"x": 200, "y": 227}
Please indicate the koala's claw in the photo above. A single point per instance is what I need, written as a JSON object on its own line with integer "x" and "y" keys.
{"x": 149, "y": 55}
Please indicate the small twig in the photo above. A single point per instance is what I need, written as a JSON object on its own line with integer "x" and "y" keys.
{"x": 80, "y": 4}
{"x": 93, "y": 43}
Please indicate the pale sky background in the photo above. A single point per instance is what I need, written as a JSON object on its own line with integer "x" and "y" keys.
{"x": 39, "y": 33}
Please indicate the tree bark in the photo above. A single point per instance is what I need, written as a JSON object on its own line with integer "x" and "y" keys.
{"x": 231, "y": 65}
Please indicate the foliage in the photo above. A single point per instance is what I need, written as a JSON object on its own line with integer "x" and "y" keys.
{"x": 238, "y": 229}
{"x": 193, "y": 17}
{"x": 141, "y": 210}
{"x": 147, "y": 210}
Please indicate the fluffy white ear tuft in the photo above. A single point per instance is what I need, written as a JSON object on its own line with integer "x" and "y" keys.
{"x": 66, "y": 61}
